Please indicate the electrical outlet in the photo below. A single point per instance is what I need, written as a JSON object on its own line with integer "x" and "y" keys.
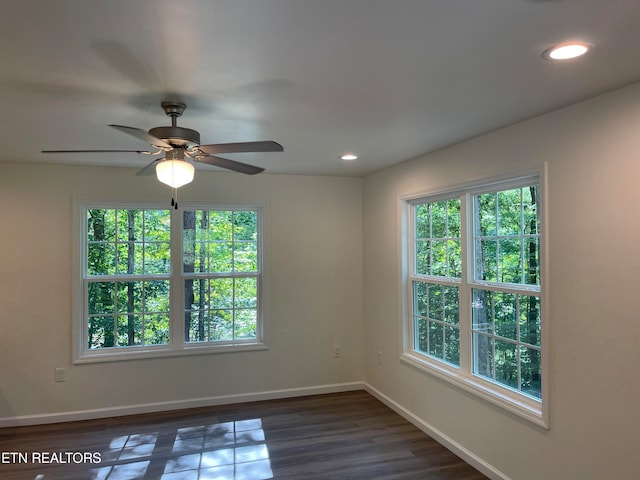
{"x": 337, "y": 351}
{"x": 60, "y": 375}
{"x": 379, "y": 357}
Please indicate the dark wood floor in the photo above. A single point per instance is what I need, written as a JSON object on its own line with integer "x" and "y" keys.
{"x": 339, "y": 436}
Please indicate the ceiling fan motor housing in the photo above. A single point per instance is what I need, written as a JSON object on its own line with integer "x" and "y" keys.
{"x": 176, "y": 135}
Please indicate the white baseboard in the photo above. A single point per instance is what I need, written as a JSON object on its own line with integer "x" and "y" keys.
{"x": 176, "y": 405}
{"x": 468, "y": 456}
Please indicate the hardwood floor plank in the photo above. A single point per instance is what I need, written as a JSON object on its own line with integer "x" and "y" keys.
{"x": 337, "y": 436}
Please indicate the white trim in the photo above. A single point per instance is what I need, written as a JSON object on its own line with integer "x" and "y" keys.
{"x": 46, "y": 418}
{"x": 493, "y": 393}
{"x": 465, "y": 454}
{"x": 164, "y": 351}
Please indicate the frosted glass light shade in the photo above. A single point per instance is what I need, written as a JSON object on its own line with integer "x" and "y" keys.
{"x": 174, "y": 173}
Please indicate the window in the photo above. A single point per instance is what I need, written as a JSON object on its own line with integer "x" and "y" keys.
{"x": 157, "y": 281}
{"x": 474, "y": 296}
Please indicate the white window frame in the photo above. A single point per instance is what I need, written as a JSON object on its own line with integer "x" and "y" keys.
{"x": 177, "y": 345}
{"x": 522, "y": 405}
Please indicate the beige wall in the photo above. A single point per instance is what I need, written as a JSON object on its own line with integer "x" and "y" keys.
{"x": 314, "y": 277}
{"x": 593, "y": 155}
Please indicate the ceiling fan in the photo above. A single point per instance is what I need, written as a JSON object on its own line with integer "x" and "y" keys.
{"x": 176, "y": 143}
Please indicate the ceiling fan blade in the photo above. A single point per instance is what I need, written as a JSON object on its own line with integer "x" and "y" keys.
{"x": 142, "y": 152}
{"x": 150, "y": 169}
{"x": 230, "y": 165}
{"x": 142, "y": 135}
{"x": 242, "y": 147}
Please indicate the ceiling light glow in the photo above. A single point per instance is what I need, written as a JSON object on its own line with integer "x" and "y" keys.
{"x": 566, "y": 51}
{"x": 349, "y": 156}
{"x": 174, "y": 173}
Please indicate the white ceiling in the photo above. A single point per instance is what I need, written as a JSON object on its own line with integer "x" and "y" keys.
{"x": 389, "y": 80}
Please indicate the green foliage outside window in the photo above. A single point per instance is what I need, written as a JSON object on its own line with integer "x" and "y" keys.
{"x": 220, "y": 257}
{"x": 505, "y": 324}
{"x": 125, "y": 311}
{"x": 128, "y": 276}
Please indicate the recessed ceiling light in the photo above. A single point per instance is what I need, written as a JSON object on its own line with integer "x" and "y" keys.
{"x": 566, "y": 51}
{"x": 349, "y": 156}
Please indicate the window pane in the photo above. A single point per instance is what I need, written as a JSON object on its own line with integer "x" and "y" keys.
{"x": 422, "y": 221}
{"x": 529, "y": 319}
{"x": 100, "y": 331}
{"x": 245, "y": 256}
{"x": 482, "y": 311}
{"x": 129, "y": 297}
{"x": 510, "y": 261}
{"x": 101, "y": 258}
{"x": 221, "y": 227}
{"x": 101, "y": 225}
{"x": 156, "y": 296}
{"x": 455, "y": 259}
{"x": 531, "y": 378}
{"x": 436, "y": 340}
{"x": 246, "y": 292}
{"x": 438, "y": 220}
{"x": 423, "y": 257}
{"x": 156, "y": 329}
{"x": 221, "y": 257}
{"x": 129, "y": 330}
{"x": 197, "y": 293}
{"x": 245, "y": 323}
{"x": 483, "y": 355}
{"x": 222, "y": 293}
{"x": 506, "y": 364}
{"x": 485, "y": 212}
{"x": 128, "y": 225}
{"x": 245, "y": 226}
{"x": 439, "y": 257}
{"x": 157, "y": 258}
{"x": 199, "y": 326}
{"x": 505, "y": 315}
{"x": 221, "y": 325}
{"x": 101, "y": 297}
{"x": 451, "y": 305}
{"x": 420, "y": 334}
{"x": 453, "y": 218}
{"x": 452, "y": 344}
{"x": 486, "y": 260}
{"x": 509, "y": 221}
{"x": 436, "y": 302}
{"x": 530, "y": 212}
{"x": 532, "y": 261}
{"x": 420, "y": 298}
{"x": 157, "y": 226}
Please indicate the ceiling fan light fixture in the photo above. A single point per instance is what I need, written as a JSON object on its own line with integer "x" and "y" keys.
{"x": 174, "y": 173}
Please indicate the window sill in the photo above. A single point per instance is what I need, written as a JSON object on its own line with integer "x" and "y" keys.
{"x": 164, "y": 351}
{"x": 516, "y": 404}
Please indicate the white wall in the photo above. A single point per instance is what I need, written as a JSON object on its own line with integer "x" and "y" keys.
{"x": 314, "y": 277}
{"x": 593, "y": 155}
